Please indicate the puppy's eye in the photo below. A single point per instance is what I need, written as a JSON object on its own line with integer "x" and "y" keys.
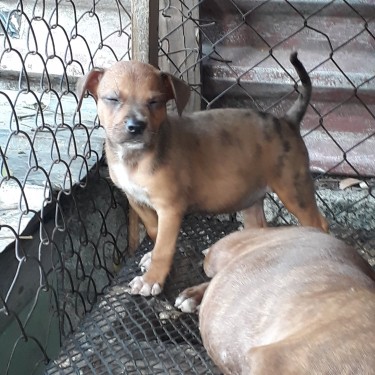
{"x": 153, "y": 103}
{"x": 112, "y": 100}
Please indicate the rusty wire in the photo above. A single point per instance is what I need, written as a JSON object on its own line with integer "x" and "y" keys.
{"x": 44, "y": 143}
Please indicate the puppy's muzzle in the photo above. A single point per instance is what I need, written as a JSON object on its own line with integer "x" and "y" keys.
{"x": 134, "y": 126}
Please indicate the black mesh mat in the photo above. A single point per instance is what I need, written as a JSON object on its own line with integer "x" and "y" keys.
{"x": 127, "y": 334}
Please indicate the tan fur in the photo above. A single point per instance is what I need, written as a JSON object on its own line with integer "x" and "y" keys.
{"x": 286, "y": 301}
{"x": 211, "y": 161}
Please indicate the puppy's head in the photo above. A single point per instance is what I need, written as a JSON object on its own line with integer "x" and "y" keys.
{"x": 131, "y": 100}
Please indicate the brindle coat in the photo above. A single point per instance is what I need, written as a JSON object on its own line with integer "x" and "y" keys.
{"x": 214, "y": 161}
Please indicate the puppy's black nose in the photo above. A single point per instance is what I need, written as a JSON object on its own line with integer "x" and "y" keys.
{"x": 134, "y": 126}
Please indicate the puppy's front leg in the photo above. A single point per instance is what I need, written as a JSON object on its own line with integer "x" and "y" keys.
{"x": 151, "y": 283}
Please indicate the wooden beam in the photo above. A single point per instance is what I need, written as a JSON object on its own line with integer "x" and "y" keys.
{"x": 145, "y": 21}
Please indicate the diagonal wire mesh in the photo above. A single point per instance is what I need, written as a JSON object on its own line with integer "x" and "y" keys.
{"x": 138, "y": 335}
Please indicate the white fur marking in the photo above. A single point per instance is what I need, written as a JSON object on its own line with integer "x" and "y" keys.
{"x": 205, "y": 251}
{"x": 145, "y": 262}
{"x": 135, "y": 146}
{"x": 134, "y": 191}
{"x": 186, "y": 305}
{"x": 139, "y": 286}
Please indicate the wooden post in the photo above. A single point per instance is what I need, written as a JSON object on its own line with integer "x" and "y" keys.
{"x": 145, "y": 20}
{"x": 145, "y": 25}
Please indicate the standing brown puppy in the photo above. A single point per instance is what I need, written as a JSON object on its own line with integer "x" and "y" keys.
{"x": 286, "y": 301}
{"x": 213, "y": 161}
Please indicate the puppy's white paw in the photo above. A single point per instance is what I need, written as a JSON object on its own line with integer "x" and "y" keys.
{"x": 186, "y": 304}
{"x": 139, "y": 286}
{"x": 205, "y": 251}
{"x": 145, "y": 262}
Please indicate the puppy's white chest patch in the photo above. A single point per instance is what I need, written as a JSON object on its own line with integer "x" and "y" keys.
{"x": 132, "y": 190}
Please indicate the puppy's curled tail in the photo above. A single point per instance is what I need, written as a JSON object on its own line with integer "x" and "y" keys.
{"x": 295, "y": 114}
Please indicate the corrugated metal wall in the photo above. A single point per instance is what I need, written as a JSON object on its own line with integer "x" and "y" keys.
{"x": 246, "y": 46}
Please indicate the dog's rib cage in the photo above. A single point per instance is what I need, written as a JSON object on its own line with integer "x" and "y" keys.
{"x": 64, "y": 263}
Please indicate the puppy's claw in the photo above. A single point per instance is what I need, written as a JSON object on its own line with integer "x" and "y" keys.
{"x": 145, "y": 262}
{"x": 139, "y": 286}
{"x": 186, "y": 304}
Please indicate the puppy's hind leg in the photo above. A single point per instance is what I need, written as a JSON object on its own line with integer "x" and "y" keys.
{"x": 298, "y": 195}
{"x": 253, "y": 216}
{"x": 149, "y": 219}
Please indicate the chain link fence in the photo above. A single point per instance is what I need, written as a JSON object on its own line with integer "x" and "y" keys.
{"x": 235, "y": 53}
{"x": 63, "y": 226}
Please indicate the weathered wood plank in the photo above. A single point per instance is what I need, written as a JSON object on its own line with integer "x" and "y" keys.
{"x": 144, "y": 31}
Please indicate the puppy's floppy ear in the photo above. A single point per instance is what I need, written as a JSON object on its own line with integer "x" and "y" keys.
{"x": 88, "y": 82}
{"x": 178, "y": 90}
